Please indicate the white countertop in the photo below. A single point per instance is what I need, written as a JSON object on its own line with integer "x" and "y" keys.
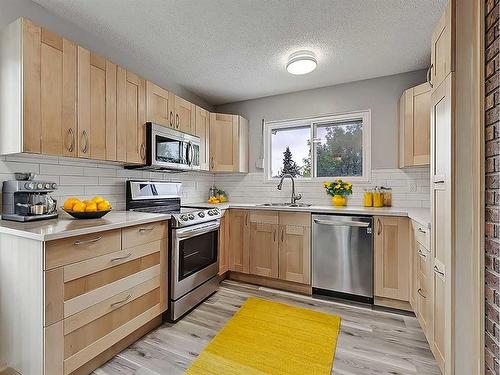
{"x": 66, "y": 226}
{"x": 420, "y": 215}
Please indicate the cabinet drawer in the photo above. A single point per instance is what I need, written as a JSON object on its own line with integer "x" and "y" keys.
{"x": 264, "y": 217}
{"x": 294, "y": 218}
{"x": 88, "y": 290}
{"x": 422, "y": 235}
{"x": 74, "y": 249}
{"x": 85, "y": 343}
{"x": 142, "y": 234}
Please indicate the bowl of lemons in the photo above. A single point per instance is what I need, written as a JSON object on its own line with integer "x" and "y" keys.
{"x": 94, "y": 208}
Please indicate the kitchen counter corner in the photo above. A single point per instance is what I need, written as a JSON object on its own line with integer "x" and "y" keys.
{"x": 65, "y": 226}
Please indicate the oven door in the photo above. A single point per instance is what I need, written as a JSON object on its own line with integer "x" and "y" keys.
{"x": 194, "y": 257}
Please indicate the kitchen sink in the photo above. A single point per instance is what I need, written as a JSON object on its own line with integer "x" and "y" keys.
{"x": 285, "y": 205}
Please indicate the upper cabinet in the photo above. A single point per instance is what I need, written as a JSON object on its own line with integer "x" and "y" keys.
{"x": 414, "y": 126}
{"x": 96, "y": 106}
{"x": 228, "y": 143}
{"x": 442, "y": 51}
{"x": 58, "y": 98}
{"x": 202, "y": 130}
{"x": 38, "y": 91}
{"x": 184, "y": 119}
{"x": 158, "y": 105}
{"x": 131, "y": 104}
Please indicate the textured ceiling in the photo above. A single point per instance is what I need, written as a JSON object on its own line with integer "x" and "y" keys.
{"x": 231, "y": 50}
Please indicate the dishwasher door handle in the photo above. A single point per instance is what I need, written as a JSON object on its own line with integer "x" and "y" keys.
{"x": 342, "y": 223}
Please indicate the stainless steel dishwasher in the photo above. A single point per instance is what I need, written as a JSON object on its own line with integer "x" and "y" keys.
{"x": 342, "y": 252}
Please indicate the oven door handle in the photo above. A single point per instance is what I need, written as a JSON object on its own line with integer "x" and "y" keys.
{"x": 198, "y": 231}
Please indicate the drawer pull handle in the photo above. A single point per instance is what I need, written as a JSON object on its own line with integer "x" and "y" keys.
{"x": 85, "y": 242}
{"x": 146, "y": 229}
{"x": 436, "y": 270}
{"x": 419, "y": 291}
{"x": 421, "y": 254}
{"x": 121, "y": 258}
{"x": 421, "y": 230}
{"x": 122, "y": 301}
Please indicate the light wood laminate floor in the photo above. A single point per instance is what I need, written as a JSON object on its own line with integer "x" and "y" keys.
{"x": 370, "y": 341}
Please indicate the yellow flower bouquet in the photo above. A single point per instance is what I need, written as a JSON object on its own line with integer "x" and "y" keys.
{"x": 339, "y": 190}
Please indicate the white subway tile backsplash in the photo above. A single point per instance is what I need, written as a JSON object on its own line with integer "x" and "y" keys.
{"x": 410, "y": 188}
{"x": 87, "y": 178}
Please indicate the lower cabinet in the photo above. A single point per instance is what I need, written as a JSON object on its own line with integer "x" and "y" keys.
{"x": 271, "y": 244}
{"x": 264, "y": 250}
{"x": 93, "y": 303}
{"x": 391, "y": 258}
{"x": 239, "y": 240}
{"x": 223, "y": 255}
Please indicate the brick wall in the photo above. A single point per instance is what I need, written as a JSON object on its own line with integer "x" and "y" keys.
{"x": 492, "y": 181}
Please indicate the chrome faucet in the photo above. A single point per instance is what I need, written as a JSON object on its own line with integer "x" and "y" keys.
{"x": 295, "y": 197}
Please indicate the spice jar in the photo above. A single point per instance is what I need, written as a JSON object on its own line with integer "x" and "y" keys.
{"x": 368, "y": 198}
{"x": 378, "y": 198}
{"x": 387, "y": 192}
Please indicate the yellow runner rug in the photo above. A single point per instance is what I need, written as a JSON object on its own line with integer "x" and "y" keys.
{"x": 266, "y": 337}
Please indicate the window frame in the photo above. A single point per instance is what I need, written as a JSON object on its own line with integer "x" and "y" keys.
{"x": 312, "y": 122}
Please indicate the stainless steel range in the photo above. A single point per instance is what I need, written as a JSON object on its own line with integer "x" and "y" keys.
{"x": 193, "y": 242}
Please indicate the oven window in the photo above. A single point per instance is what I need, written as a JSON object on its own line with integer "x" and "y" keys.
{"x": 197, "y": 253}
{"x": 170, "y": 150}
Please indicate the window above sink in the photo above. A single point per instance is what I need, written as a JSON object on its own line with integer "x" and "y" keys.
{"x": 319, "y": 148}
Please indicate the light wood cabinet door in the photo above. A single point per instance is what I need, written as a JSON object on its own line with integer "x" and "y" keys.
{"x": 441, "y": 215}
{"x": 228, "y": 143}
{"x": 97, "y": 109}
{"x": 239, "y": 241}
{"x": 414, "y": 126}
{"x": 223, "y": 142}
{"x": 202, "y": 130}
{"x": 49, "y": 91}
{"x": 391, "y": 257}
{"x": 294, "y": 247}
{"x": 424, "y": 297}
{"x": 413, "y": 269}
{"x": 185, "y": 113}
{"x": 264, "y": 254}
{"x": 131, "y": 98}
{"x": 442, "y": 48}
{"x": 158, "y": 105}
{"x": 31, "y": 88}
{"x": 224, "y": 244}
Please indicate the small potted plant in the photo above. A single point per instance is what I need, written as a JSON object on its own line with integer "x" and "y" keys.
{"x": 338, "y": 190}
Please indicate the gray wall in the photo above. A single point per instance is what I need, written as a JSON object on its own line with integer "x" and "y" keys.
{"x": 381, "y": 95}
{"x": 10, "y": 10}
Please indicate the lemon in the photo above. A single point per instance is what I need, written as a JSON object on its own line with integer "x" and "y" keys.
{"x": 69, "y": 203}
{"x": 91, "y": 207}
{"x": 104, "y": 206}
{"x": 97, "y": 199}
{"x": 79, "y": 207}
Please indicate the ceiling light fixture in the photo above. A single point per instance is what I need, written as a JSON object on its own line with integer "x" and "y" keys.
{"x": 301, "y": 62}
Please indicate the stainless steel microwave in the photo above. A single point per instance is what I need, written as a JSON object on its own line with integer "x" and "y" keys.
{"x": 170, "y": 149}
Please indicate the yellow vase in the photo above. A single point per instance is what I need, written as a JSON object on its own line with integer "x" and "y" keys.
{"x": 339, "y": 200}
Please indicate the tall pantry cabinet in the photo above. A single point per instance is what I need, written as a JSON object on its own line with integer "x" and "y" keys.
{"x": 442, "y": 182}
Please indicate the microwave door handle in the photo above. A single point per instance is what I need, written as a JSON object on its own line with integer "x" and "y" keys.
{"x": 190, "y": 154}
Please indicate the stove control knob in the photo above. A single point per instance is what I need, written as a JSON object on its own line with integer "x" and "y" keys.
{"x": 47, "y": 186}
{"x": 191, "y": 217}
{"x": 210, "y": 213}
{"x": 201, "y": 214}
{"x": 54, "y": 186}
{"x": 27, "y": 185}
{"x": 184, "y": 217}
{"x": 39, "y": 186}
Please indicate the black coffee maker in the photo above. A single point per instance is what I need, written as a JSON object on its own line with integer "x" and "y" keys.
{"x": 25, "y": 199}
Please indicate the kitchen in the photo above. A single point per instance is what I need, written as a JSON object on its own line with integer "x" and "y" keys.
{"x": 96, "y": 116}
